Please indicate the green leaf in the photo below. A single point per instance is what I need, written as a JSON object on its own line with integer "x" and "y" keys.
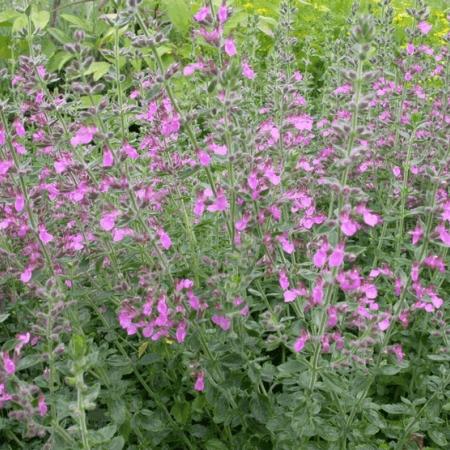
{"x": 181, "y": 411}
{"x": 103, "y": 435}
{"x": 58, "y": 60}
{"x": 29, "y": 361}
{"x": 438, "y": 438}
{"x": 179, "y": 14}
{"x": 117, "y": 443}
{"x": 3, "y": 317}
{"x": 8, "y": 15}
{"x": 215, "y": 444}
{"x": 59, "y": 35}
{"x": 390, "y": 370}
{"x": 98, "y": 68}
{"x": 74, "y": 20}
{"x": 20, "y": 23}
{"x": 266, "y": 25}
{"x": 397, "y": 408}
{"x": 78, "y": 346}
{"x": 40, "y": 19}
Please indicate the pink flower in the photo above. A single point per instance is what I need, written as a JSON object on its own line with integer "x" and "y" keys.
{"x": 19, "y": 203}
{"x": 191, "y": 68}
{"x": 44, "y": 235}
{"x": 220, "y": 204}
{"x": 62, "y": 164}
{"x": 415, "y": 272}
{"x": 286, "y": 244}
{"x": 318, "y": 292}
{"x": 5, "y": 166}
{"x": 222, "y": 15}
{"x": 108, "y": 159}
{"x": 19, "y": 128}
{"x": 332, "y": 316}
{"x": 424, "y": 27}
{"x": 42, "y": 406}
{"x": 20, "y": 149}
{"x": 410, "y": 49}
{"x": 348, "y": 226}
{"x": 26, "y": 275}
{"x": 223, "y": 322}
{"x": 299, "y": 344}
{"x": 416, "y": 235}
{"x": 241, "y": 224}
{"x": 344, "y": 89}
{"x": 108, "y": 220}
{"x": 84, "y": 135}
{"x": 230, "y": 47}
{"x": 220, "y": 150}
{"x": 130, "y": 151}
{"x": 202, "y": 14}
{"x": 204, "y": 158}
{"x": 283, "y": 280}
{"x": 181, "y": 332}
{"x": 119, "y": 233}
{"x": 384, "y": 324}
{"x": 290, "y": 295}
{"x": 396, "y": 171}
{"x": 2, "y": 136}
{"x": 444, "y": 235}
{"x": 164, "y": 239}
{"x": 320, "y": 257}
{"x": 8, "y": 364}
{"x": 397, "y": 350}
{"x": 337, "y": 257}
{"x": 247, "y": 71}
{"x": 199, "y": 385}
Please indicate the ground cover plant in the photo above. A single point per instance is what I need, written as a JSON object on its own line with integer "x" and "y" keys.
{"x": 209, "y": 241}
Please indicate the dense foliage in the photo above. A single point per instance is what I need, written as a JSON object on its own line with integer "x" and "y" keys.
{"x": 220, "y": 229}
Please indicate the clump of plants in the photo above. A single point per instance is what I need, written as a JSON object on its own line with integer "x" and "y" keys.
{"x": 204, "y": 256}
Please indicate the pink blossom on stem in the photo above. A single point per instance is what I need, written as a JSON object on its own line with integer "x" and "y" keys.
{"x": 318, "y": 292}
{"x": 108, "y": 159}
{"x": 130, "y": 151}
{"x": 19, "y": 203}
{"x": 199, "y": 385}
{"x": 383, "y": 325}
{"x": 283, "y": 280}
{"x": 223, "y": 322}
{"x": 337, "y": 256}
{"x": 230, "y": 47}
{"x": 247, "y": 71}
{"x": 108, "y": 220}
{"x": 44, "y": 235}
{"x": 42, "y": 406}
{"x": 220, "y": 204}
{"x": 181, "y": 332}
{"x": 26, "y": 275}
{"x": 444, "y": 234}
{"x": 8, "y": 364}
{"x": 397, "y": 350}
{"x": 348, "y": 226}
{"x": 202, "y": 14}
{"x": 299, "y": 344}
{"x": 222, "y": 14}
{"x": 118, "y": 234}
{"x": 164, "y": 239}
{"x": 416, "y": 235}
{"x": 286, "y": 244}
{"x": 83, "y": 136}
{"x": 424, "y": 27}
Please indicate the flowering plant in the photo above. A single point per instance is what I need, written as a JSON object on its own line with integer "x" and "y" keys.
{"x": 210, "y": 254}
